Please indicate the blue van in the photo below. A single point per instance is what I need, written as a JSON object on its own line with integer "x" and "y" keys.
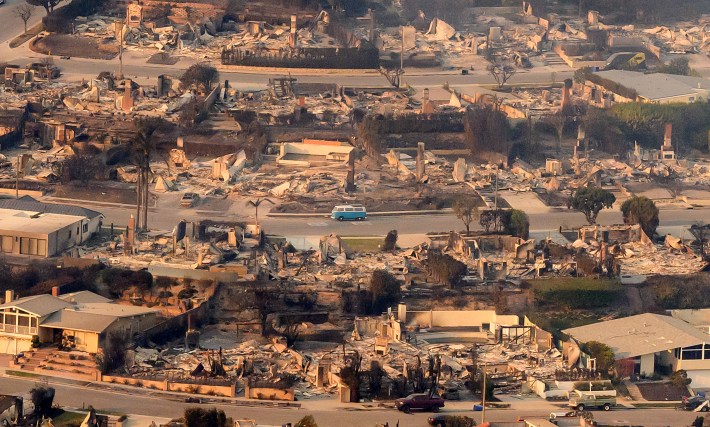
{"x": 349, "y": 212}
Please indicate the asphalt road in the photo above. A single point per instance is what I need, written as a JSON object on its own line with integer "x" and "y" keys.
{"x": 164, "y": 217}
{"x": 336, "y": 415}
{"x": 77, "y": 68}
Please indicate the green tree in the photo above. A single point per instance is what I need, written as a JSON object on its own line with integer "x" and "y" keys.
{"x": 466, "y": 209}
{"x": 198, "y": 417}
{"x": 200, "y": 75}
{"x": 677, "y": 66}
{"x": 307, "y": 421}
{"x": 641, "y": 210}
{"x": 42, "y": 398}
{"x": 486, "y": 129}
{"x": 386, "y": 290}
{"x": 602, "y": 353}
{"x": 591, "y": 200}
{"x": 48, "y": 5}
{"x": 519, "y": 223}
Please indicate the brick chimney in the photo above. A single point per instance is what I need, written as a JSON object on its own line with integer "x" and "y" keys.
{"x": 667, "y": 137}
{"x": 55, "y": 291}
{"x": 9, "y": 296}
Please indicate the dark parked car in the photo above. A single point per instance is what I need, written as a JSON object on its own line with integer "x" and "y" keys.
{"x": 691, "y": 403}
{"x": 189, "y": 200}
{"x": 420, "y": 402}
{"x": 451, "y": 420}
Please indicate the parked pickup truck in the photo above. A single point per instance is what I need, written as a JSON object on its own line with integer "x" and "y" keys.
{"x": 581, "y": 401}
{"x": 419, "y": 401}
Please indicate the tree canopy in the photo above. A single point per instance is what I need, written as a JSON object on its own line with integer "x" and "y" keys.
{"x": 602, "y": 353}
{"x": 48, "y": 5}
{"x": 385, "y": 290}
{"x": 466, "y": 209}
{"x": 591, "y": 200}
{"x": 519, "y": 224}
{"x": 641, "y": 210}
{"x": 201, "y": 75}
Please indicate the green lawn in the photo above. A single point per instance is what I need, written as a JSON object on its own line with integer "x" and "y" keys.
{"x": 67, "y": 418}
{"x": 21, "y": 374}
{"x": 363, "y": 244}
{"x": 572, "y": 283}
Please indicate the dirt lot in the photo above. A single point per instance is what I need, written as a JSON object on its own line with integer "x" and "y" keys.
{"x": 662, "y": 391}
{"x": 72, "y": 46}
{"x": 96, "y": 192}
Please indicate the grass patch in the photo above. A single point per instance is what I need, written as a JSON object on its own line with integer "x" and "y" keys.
{"x": 367, "y": 244}
{"x": 655, "y": 405}
{"x": 72, "y": 46}
{"x": 67, "y": 418}
{"x": 22, "y": 374}
{"x": 556, "y": 322}
{"x": 163, "y": 58}
{"x": 576, "y": 293}
{"x": 25, "y": 37}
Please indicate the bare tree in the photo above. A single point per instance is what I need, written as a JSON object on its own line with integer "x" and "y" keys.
{"x": 24, "y": 12}
{"x": 466, "y": 209}
{"x": 501, "y": 73}
{"x": 558, "y": 121}
{"x": 256, "y": 203}
{"x": 392, "y": 75}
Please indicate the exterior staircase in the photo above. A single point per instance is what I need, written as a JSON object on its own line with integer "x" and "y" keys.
{"x": 552, "y": 58}
{"x": 52, "y": 362}
{"x": 634, "y": 391}
{"x": 34, "y": 358}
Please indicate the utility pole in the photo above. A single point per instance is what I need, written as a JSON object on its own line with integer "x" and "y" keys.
{"x": 120, "y": 55}
{"x": 483, "y": 396}
{"x": 495, "y": 197}
{"x": 17, "y": 179}
{"x": 401, "y": 54}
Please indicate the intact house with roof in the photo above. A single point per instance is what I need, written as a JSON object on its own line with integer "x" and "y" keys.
{"x": 80, "y": 321}
{"x": 656, "y": 343}
{"x": 606, "y": 88}
{"x": 32, "y": 228}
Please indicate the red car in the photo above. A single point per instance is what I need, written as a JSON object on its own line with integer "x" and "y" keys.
{"x": 420, "y": 402}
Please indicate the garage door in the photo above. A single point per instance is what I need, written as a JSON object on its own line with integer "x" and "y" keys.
{"x": 701, "y": 378}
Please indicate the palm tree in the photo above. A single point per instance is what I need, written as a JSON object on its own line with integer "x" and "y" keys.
{"x": 143, "y": 146}
{"x": 256, "y": 204}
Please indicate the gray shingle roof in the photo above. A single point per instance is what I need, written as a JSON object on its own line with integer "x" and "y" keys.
{"x": 641, "y": 334}
{"x": 27, "y": 203}
{"x": 39, "y": 305}
{"x": 657, "y": 86}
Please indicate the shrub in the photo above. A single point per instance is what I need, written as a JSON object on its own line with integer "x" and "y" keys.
{"x": 603, "y": 353}
{"x": 445, "y": 269}
{"x": 390, "y": 243}
{"x": 386, "y": 290}
{"x": 307, "y": 421}
{"x": 42, "y": 398}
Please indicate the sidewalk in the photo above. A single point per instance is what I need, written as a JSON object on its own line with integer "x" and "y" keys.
{"x": 445, "y": 211}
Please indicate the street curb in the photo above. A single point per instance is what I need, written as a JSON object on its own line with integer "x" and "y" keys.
{"x": 444, "y": 211}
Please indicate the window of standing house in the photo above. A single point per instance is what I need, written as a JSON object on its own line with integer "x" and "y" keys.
{"x": 86, "y": 228}
{"x": 30, "y": 246}
{"x": 694, "y": 352}
{"x": 6, "y": 243}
